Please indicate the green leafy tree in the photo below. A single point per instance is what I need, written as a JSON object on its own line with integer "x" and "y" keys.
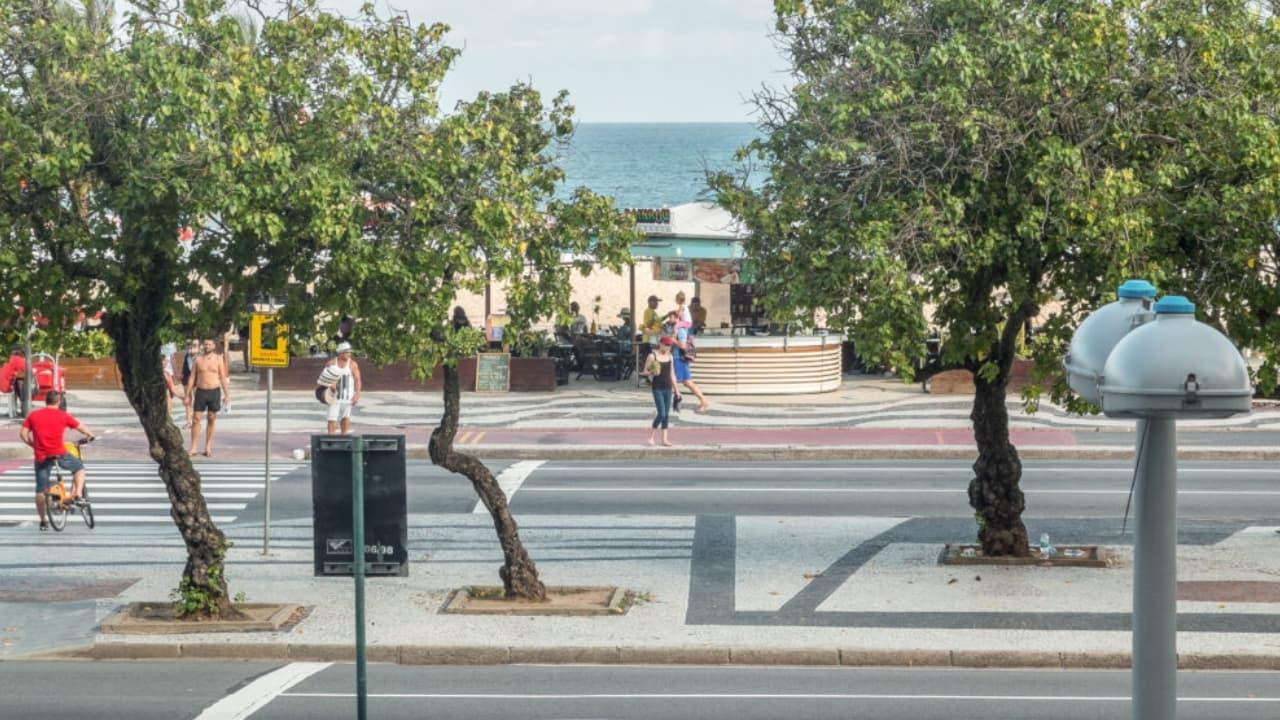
{"x": 454, "y": 199}
{"x": 989, "y": 162}
{"x": 1212, "y": 158}
{"x": 166, "y": 173}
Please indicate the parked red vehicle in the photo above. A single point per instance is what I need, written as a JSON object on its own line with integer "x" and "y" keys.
{"x": 46, "y": 375}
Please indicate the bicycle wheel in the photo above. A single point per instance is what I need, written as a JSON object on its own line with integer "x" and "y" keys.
{"x": 86, "y": 509}
{"x": 56, "y": 512}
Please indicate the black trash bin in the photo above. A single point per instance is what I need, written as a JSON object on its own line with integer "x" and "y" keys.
{"x": 386, "y": 513}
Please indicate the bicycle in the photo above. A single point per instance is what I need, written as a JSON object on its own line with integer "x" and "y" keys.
{"x": 56, "y": 499}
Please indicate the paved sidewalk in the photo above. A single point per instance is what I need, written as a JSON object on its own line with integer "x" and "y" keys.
{"x": 710, "y": 590}
{"x": 870, "y": 416}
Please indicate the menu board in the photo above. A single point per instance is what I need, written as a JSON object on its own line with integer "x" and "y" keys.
{"x": 672, "y": 270}
{"x": 725, "y": 272}
{"x": 493, "y": 372}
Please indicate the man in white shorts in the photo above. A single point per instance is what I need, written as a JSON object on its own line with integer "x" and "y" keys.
{"x": 346, "y": 388}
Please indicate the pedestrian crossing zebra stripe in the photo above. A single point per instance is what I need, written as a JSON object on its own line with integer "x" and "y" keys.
{"x": 99, "y": 505}
{"x": 111, "y": 518}
{"x": 111, "y": 493}
{"x": 29, "y": 484}
{"x": 133, "y": 493}
{"x": 218, "y": 469}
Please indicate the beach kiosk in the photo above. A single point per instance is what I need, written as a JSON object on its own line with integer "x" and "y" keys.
{"x": 741, "y": 353}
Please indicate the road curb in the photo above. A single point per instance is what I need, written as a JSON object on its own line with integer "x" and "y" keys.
{"x": 648, "y": 655}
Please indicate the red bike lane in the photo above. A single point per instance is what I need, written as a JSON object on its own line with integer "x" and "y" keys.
{"x": 244, "y": 446}
{"x": 760, "y": 437}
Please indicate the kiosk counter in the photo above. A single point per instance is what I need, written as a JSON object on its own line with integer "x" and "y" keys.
{"x": 767, "y": 364}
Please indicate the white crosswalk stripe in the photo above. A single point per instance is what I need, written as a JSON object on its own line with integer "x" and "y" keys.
{"x": 132, "y": 492}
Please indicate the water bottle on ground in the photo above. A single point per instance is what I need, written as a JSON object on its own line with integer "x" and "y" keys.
{"x": 1047, "y": 550}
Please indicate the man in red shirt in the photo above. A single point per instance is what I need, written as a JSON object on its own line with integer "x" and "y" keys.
{"x": 43, "y": 431}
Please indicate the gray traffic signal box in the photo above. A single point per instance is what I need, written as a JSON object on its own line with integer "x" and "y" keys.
{"x": 386, "y": 518}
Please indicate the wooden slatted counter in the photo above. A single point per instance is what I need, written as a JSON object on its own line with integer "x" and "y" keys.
{"x": 768, "y": 365}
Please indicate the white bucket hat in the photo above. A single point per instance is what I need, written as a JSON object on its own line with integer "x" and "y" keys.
{"x": 343, "y": 347}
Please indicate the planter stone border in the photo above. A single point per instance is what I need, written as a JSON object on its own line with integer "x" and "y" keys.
{"x": 155, "y": 618}
{"x": 460, "y": 601}
{"x": 1090, "y": 556}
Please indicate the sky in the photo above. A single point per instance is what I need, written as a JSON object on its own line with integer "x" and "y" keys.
{"x": 620, "y": 60}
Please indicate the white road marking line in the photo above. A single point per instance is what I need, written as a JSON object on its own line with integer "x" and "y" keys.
{"x": 100, "y": 518}
{"x": 259, "y": 693}
{"x": 510, "y": 480}
{"x": 230, "y": 467}
{"x": 872, "y": 491}
{"x": 149, "y": 473}
{"x": 771, "y": 696}
{"x": 99, "y": 493}
{"x": 95, "y": 483}
{"x": 99, "y": 507}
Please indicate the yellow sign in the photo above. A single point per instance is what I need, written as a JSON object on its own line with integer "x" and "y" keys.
{"x": 268, "y": 341}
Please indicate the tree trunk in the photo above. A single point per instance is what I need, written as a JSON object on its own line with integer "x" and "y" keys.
{"x": 993, "y": 492}
{"x": 203, "y": 588}
{"x": 518, "y": 573}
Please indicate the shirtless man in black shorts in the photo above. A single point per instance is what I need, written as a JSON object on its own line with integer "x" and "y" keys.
{"x": 208, "y": 391}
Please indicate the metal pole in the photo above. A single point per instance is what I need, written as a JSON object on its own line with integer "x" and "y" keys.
{"x": 635, "y": 326}
{"x": 266, "y": 472}
{"x": 357, "y": 552}
{"x": 26, "y": 372}
{"x": 1155, "y": 609}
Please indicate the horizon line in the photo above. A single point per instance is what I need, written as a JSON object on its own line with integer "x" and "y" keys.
{"x": 665, "y": 122}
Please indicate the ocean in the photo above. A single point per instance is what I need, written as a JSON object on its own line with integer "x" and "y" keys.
{"x": 645, "y": 165}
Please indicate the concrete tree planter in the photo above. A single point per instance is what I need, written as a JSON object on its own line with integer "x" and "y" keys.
{"x": 561, "y": 600}
{"x": 158, "y": 618}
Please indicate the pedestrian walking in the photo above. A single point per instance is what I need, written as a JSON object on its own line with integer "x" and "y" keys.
{"x": 170, "y": 387}
{"x": 209, "y": 393}
{"x": 188, "y": 367}
{"x": 659, "y": 367}
{"x": 344, "y": 373}
{"x": 683, "y": 322}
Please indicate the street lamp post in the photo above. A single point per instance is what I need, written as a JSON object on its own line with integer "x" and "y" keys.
{"x": 1156, "y": 367}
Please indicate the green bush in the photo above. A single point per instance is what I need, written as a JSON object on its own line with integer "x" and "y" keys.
{"x": 93, "y": 344}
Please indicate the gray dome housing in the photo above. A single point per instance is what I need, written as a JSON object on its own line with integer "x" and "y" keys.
{"x": 1099, "y": 333}
{"x": 1175, "y": 367}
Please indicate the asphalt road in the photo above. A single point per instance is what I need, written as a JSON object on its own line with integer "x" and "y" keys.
{"x": 210, "y": 691}
{"x": 1209, "y": 490}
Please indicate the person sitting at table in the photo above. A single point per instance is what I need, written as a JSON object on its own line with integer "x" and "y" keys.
{"x": 698, "y": 314}
{"x": 625, "y": 332}
{"x": 579, "y": 325}
{"x": 626, "y": 342}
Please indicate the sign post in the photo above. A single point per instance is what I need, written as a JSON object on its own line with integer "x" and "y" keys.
{"x": 27, "y": 375}
{"x": 357, "y": 552}
{"x": 266, "y": 472}
{"x": 269, "y": 348}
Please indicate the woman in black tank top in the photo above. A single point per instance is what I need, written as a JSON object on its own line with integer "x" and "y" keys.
{"x": 660, "y": 367}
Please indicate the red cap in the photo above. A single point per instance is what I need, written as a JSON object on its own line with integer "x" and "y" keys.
{"x": 667, "y": 340}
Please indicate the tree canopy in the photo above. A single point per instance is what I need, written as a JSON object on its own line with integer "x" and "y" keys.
{"x": 971, "y": 165}
{"x": 456, "y": 201}
{"x": 172, "y": 168}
